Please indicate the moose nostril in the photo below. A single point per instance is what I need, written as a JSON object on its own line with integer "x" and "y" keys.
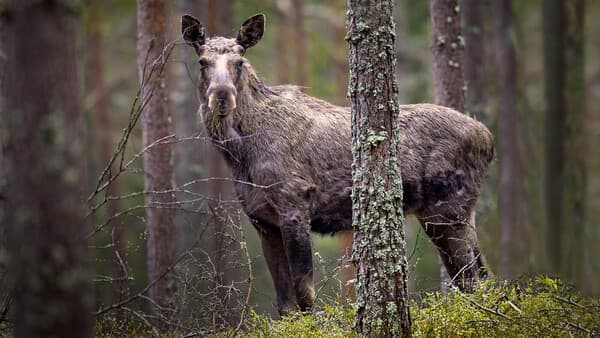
{"x": 221, "y": 94}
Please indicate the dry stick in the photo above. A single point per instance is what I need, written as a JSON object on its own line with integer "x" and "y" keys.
{"x": 481, "y": 307}
{"x": 143, "y": 319}
{"x": 134, "y": 117}
{"x": 244, "y": 246}
{"x": 144, "y": 290}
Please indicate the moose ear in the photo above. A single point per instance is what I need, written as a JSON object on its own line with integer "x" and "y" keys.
{"x": 192, "y": 31}
{"x": 251, "y": 31}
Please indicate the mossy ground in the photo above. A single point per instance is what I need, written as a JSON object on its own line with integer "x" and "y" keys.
{"x": 540, "y": 307}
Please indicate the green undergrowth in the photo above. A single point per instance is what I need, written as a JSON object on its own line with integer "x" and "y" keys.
{"x": 543, "y": 307}
{"x": 540, "y": 307}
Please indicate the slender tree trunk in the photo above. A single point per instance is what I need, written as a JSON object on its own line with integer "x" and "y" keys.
{"x": 448, "y": 62}
{"x": 158, "y": 159}
{"x": 299, "y": 42}
{"x": 576, "y": 149}
{"x": 555, "y": 119}
{"x": 43, "y": 154}
{"x": 379, "y": 240}
{"x": 565, "y": 137}
{"x": 506, "y": 65}
{"x": 473, "y": 16}
{"x": 448, "y": 53}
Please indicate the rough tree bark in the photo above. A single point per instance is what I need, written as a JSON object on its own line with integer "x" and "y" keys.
{"x": 448, "y": 62}
{"x": 565, "y": 136}
{"x": 379, "y": 240}
{"x": 158, "y": 160}
{"x": 508, "y": 115}
{"x": 43, "y": 154}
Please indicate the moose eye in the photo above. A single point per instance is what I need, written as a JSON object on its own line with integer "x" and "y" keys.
{"x": 239, "y": 64}
{"x": 203, "y": 63}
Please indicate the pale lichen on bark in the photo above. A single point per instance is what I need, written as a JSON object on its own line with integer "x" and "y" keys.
{"x": 379, "y": 242}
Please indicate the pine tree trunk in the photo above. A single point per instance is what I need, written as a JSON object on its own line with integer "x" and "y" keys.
{"x": 448, "y": 53}
{"x": 448, "y": 63}
{"x": 43, "y": 154}
{"x": 510, "y": 182}
{"x": 379, "y": 240}
{"x": 565, "y": 138}
{"x": 158, "y": 160}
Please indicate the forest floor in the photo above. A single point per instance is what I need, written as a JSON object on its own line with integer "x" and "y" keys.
{"x": 538, "y": 307}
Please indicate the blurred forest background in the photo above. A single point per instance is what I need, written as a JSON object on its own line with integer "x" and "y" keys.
{"x": 304, "y": 45}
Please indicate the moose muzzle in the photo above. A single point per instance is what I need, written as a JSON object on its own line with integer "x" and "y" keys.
{"x": 221, "y": 99}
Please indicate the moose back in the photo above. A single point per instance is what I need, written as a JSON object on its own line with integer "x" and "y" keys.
{"x": 290, "y": 154}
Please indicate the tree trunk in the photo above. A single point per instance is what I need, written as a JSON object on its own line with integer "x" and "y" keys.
{"x": 509, "y": 185}
{"x": 448, "y": 61}
{"x": 448, "y": 53}
{"x": 576, "y": 150}
{"x": 43, "y": 154}
{"x": 158, "y": 161}
{"x": 379, "y": 240}
{"x": 565, "y": 137}
{"x": 473, "y": 15}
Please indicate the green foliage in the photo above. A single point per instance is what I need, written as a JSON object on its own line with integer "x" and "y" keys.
{"x": 543, "y": 307}
{"x": 123, "y": 323}
{"x": 332, "y": 321}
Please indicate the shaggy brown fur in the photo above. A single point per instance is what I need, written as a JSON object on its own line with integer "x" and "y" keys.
{"x": 291, "y": 155}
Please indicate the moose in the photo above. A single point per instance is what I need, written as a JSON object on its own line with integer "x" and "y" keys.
{"x": 290, "y": 155}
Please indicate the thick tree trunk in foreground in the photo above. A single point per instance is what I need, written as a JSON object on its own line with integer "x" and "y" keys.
{"x": 565, "y": 137}
{"x": 508, "y": 115}
{"x": 158, "y": 160}
{"x": 379, "y": 242}
{"x": 43, "y": 154}
{"x": 448, "y": 63}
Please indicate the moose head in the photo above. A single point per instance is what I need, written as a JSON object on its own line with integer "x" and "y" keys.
{"x": 223, "y": 68}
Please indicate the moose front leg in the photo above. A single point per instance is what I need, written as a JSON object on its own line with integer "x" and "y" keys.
{"x": 274, "y": 252}
{"x": 295, "y": 231}
{"x": 456, "y": 241}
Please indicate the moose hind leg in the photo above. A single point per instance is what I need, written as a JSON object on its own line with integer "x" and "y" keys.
{"x": 455, "y": 238}
{"x": 295, "y": 230}
{"x": 274, "y": 252}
